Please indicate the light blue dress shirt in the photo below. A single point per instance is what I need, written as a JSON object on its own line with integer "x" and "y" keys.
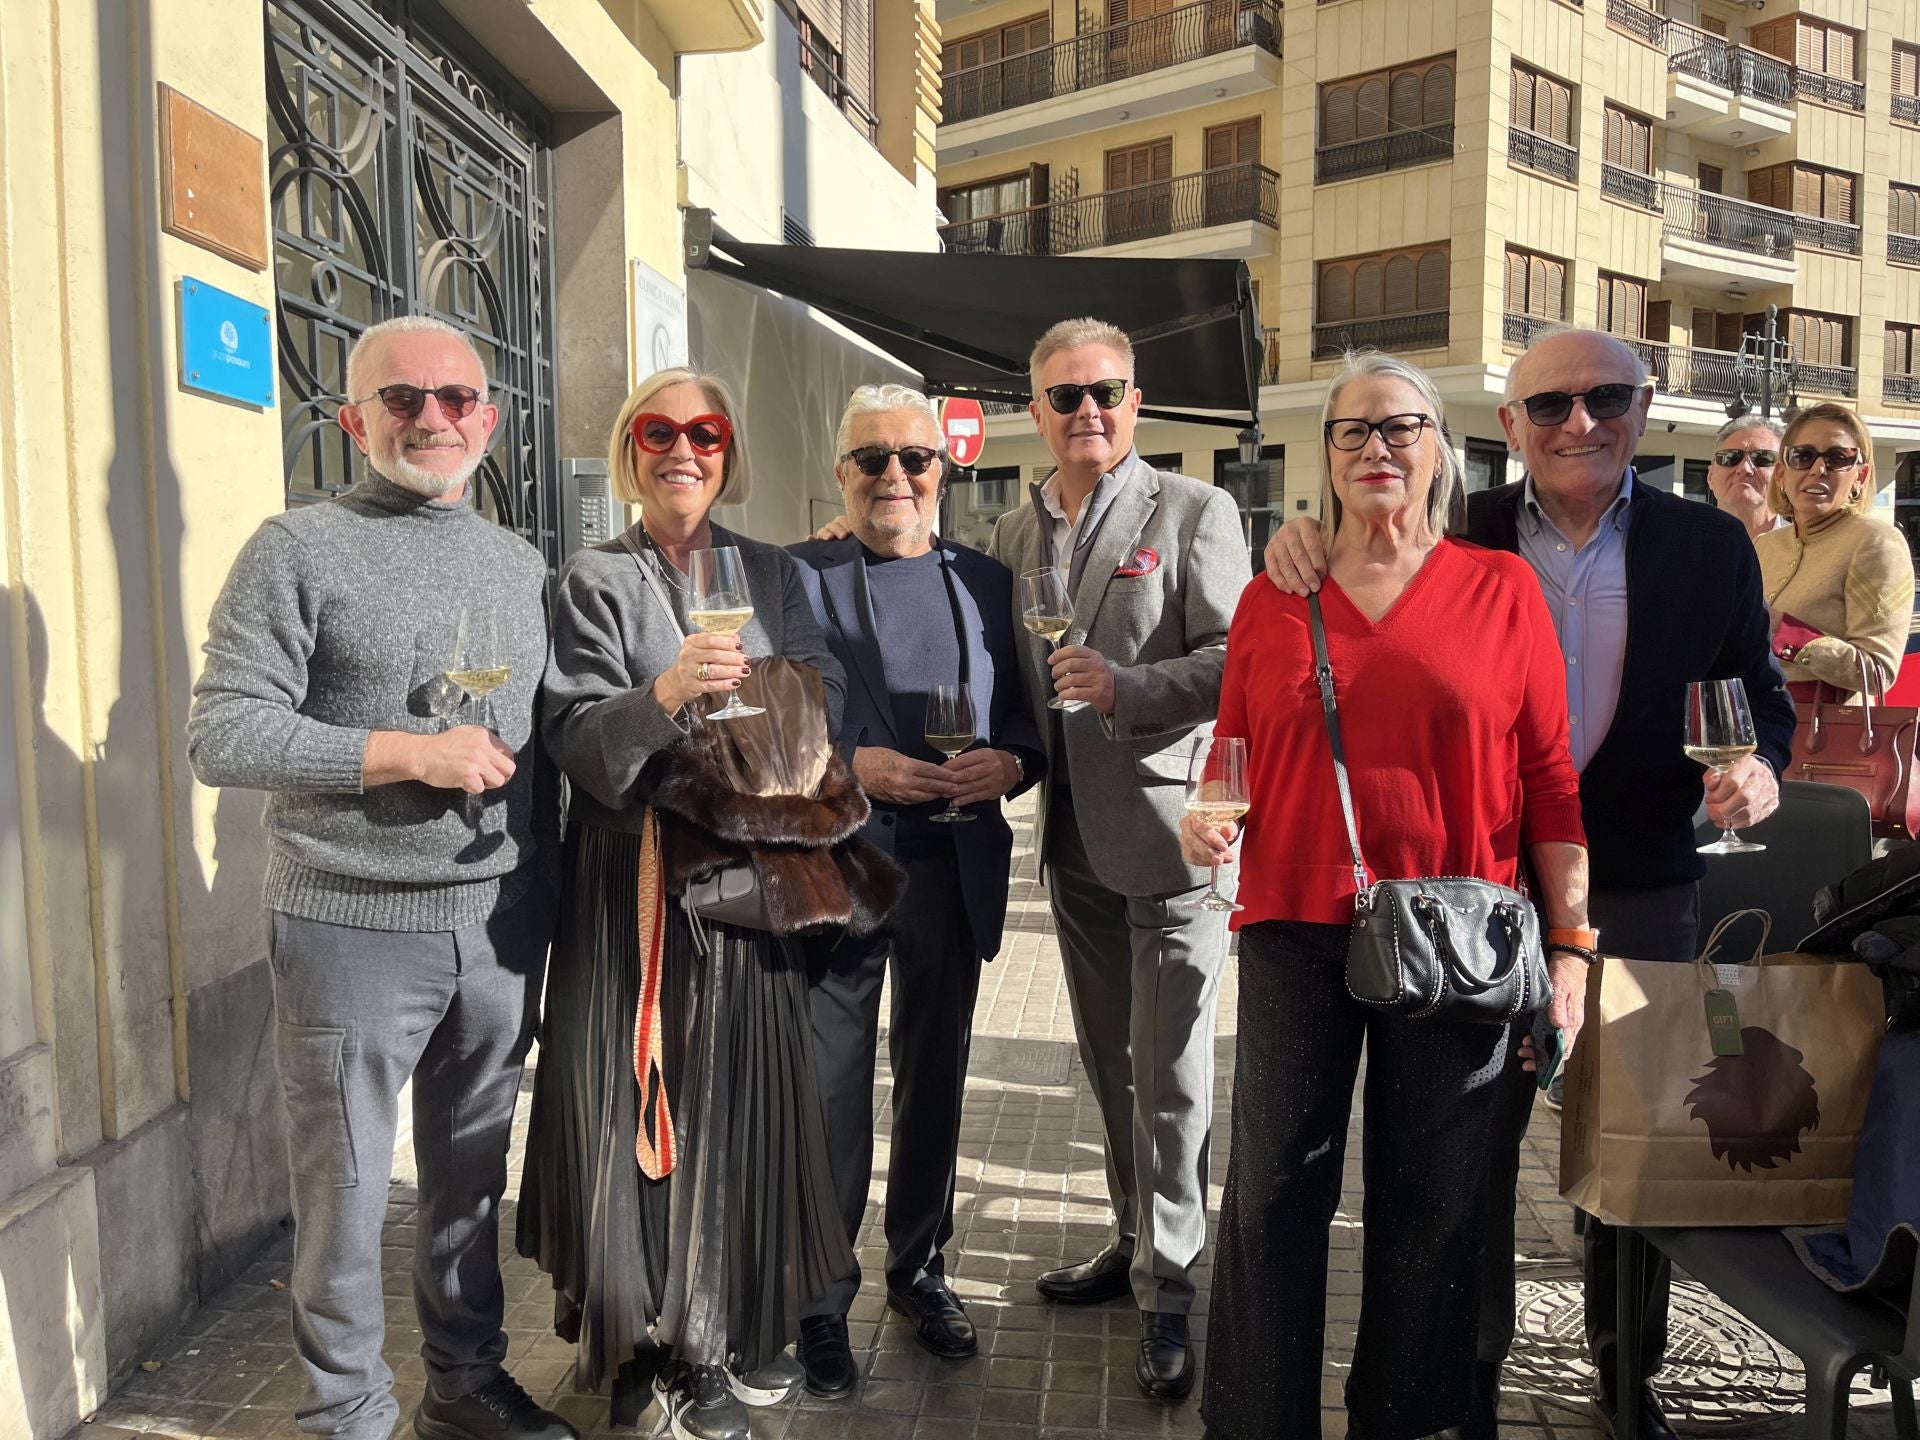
{"x": 1586, "y": 589}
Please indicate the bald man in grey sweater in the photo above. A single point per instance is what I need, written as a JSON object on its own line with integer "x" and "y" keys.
{"x": 407, "y": 876}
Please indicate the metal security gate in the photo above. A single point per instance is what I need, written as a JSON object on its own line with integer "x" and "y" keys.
{"x": 409, "y": 175}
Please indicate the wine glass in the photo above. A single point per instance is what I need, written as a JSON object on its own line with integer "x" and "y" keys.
{"x": 478, "y": 665}
{"x": 1719, "y": 732}
{"x": 1217, "y": 793}
{"x": 950, "y": 730}
{"x": 722, "y": 605}
{"x": 1046, "y": 610}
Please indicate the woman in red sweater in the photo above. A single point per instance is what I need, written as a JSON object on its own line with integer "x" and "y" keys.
{"x": 1453, "y": 711}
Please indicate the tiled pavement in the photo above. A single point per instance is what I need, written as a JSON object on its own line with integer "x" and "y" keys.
{"x": 1031, "y": 1195}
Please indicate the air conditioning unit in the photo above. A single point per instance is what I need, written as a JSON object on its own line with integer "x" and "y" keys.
{"x": 586, "y": 504}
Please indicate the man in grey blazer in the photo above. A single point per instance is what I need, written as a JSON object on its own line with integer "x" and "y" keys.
{"x": 1155, "y": 563}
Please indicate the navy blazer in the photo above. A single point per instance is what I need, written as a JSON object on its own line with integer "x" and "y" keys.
{"x": 1695, "y": 611}
{"x": 833, "y": 574}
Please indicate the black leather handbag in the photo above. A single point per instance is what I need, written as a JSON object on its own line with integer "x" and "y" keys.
{"x": 1447, "y": 947}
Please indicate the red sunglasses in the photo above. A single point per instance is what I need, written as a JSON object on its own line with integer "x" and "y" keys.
{"x": 707, "y": 434}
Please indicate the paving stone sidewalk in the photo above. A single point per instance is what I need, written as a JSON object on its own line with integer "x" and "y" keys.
{"x": 1031, "y": 1196}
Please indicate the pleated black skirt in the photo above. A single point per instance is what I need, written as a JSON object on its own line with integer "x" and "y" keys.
{"x": 716, "y": 1262}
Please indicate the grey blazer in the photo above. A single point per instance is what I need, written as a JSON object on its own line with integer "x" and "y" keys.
{"x": 1165, "y": 633}
{"x": 611, "y": 641}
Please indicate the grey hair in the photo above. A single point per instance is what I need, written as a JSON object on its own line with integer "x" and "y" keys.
{"x": 1751, "y": 422}
{"x": 362, "y": 348}
{"x": 877, "y": 400}
{"x": 1554, "y": 332}
{"x": 1372, "y": 365}
{"x": 1071, "y": 335}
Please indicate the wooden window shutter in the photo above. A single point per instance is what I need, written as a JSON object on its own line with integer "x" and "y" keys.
{"x": 1039, "y": 183}
{"x": 1337, "y": 116}
{"x": 1776, "y": 38}
{"x": 1436, "y": 106}
{"x": 1560, "y": 127}
{"x": 1432, "y": 286}
{"x": 1906, "y": 70}
{"x": 1246, "y": 138}
{"x": 1336, "y": 294}
{"x": 1837, "y": 196}
{"x": 1841, "y": 54}
{"x": 1810, "y": 49}
{"x": 1403, "y": 101}
{"x": 1218, "y": 148}
{"x": 1369, "y": 279}
{"x": 1535, "y": 298}
{"x": 1603, "y": 306}
{"x": 1613, "y": 145}
{"x": 1520, "y": 107}
{"x": 1894, "y": 358}
{"x": 1727, "y": 333}
{"x": 1763, "y": 187}
{"x": 1660, "y": 320}
{"x": 1640, "y": 151}
{"x": 1117, "y": 12}
{"x": 1903, "y": 210}
{"x": 1401, "y": 291}
{"x": 1806, "y": 190}
{"x": 1370, "y": 103}
{"x": 1556, "y": 300}
{"x": 1163, "y": 159}
{"x": 1633, "y": 304}
{"x": 1516, "y": 297}
{"x": 1713, "y": 25}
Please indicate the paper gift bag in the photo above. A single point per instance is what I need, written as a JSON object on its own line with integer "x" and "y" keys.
{"x": 1665, "y": 1124}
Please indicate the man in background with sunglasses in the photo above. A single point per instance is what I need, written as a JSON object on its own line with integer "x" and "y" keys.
{"x": 904, "y": 611}
{"x": 1154, "y": 564}
{"x": 1615, "y": 559}
{"x": 1742, "y": 470}
{"x": 408, "y": 880}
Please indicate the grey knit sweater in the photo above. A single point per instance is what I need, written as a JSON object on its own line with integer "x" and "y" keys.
{"x": 338, "y": 619}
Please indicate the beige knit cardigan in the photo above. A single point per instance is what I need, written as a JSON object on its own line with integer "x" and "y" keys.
{"x": 1850, "y": 578}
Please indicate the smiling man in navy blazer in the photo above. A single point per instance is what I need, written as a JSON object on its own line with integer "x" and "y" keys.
{"x": 904, "y": 611}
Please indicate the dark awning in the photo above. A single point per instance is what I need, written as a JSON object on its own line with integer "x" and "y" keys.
{"x": 967, "y": 322}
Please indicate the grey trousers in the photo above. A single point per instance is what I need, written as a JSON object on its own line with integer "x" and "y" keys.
{"x": 1143, "y": 978}
{"x": 359, "y": 1013}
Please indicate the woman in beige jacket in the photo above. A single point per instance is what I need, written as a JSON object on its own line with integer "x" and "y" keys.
{"x": 1839, "y": 584}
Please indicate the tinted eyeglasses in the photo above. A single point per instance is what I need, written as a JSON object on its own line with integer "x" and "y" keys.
{"x": 707, "y": 434}
{"x": 1399, "y": 431}
{"x": 1761, "y": 458}
{"x": 1603, "y": 402}
{"x": 1065, "y": 399}
{"x": 1801, "y": 457}
{"x": 872, "y": 459}
{"x": 405, "y": 402}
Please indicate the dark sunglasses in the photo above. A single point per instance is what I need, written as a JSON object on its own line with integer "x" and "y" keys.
{"x": 1801, "y": 457}
{"x": 873, "y": 459}
{"x": 1761, "y": 458}
{"x": 1065, "y": 399}
{"x": 1603, "y": 402}
{"x": 405, "y": 402}
{"x": 1399, "y": 431}
{"x": 707, "y": 434}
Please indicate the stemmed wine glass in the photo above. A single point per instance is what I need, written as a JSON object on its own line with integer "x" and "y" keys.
{"x": 722, "y": 605}
{"x": 1719, "y": 731}
{"x": 1217, "y": 793}
{"x": 950, "y": 730}
{"x": 478, "y": 665}
{"x": 1046, "y": 610}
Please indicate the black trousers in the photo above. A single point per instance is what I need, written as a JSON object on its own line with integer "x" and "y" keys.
{"x": 936, "y": 978}
{"x": 1656, "y": 924}
{"x": 1431, "y": 1094}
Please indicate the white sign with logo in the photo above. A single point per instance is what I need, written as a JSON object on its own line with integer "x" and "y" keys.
{"x": 659, "y": 320}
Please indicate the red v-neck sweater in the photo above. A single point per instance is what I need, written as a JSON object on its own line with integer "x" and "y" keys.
{"x": 1453, "y": 709}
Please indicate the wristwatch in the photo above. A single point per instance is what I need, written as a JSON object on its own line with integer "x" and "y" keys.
{"x": 1019, "y": 766}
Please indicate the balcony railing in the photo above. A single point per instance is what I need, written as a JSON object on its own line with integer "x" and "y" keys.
{"x": 1424, "y": 331}
{"x": 1907, "y": 108}
{"x": 1223, "y": 196}
{"x": 1639, "y": 23}
{"x": 1902, "y": 389}
{"x": 1722, "y": 63}
{"x": 1377, "y": 154}
{"x": 1113, "y": 52}
{"x": 1830, "y": 89}
{"x": 1818, "y": 234}
{"x": 1270, "y": 355}
{"x": 1517, "y": 330}
{"x": 1724, "y": 222}
{"x": 1826, "y": 379}
{"x": 1537, "y": 152}
{"x": 1701, "y": 374}
{"x": 1630, "y": 186}
{"x": 1904, "y": 248}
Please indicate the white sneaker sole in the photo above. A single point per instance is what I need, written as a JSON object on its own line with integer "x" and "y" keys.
{"x": 753, "y": 1395}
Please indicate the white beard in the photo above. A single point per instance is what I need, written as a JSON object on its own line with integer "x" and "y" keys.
{"x": 428, "y": 483}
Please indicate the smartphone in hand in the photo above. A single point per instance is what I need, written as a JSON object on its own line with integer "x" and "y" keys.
{"x": 1551, "y": 1045}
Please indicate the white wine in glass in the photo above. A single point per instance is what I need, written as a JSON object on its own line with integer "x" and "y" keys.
{"x": 1720, "y": 731}
{"x": 1217, "y": 793}
{"x": 722, "y": 605}
{"x": 950, "y": 729}
{"x": 478, "y": 665}
{"x": 1046, "y": 611}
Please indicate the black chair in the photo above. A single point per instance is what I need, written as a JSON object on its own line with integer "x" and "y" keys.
{"x": 1820, "y": 834}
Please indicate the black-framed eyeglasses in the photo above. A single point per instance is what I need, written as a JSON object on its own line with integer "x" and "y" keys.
{"x": 1801, "y": 457}
{"x": 405, "y": 402}
{"x": 1065, "y": 399}
{"x": 1399, "y": 431}
{"x": 872, "y": 459}
{"x": 1603, "y": 402}
{"x": 1761, "y": 458}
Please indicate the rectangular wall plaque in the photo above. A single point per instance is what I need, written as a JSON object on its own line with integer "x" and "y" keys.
{"x": 226, "y": 344}
{"x": 210, "y": 181}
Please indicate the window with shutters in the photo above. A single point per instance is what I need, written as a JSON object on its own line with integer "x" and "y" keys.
{"x": 1906, "y": 83}
{"x": 1541, "y": 104}
{"x": 1823, "y": 341}
{"x": 1018, "y": 38}
{"x": 1805, "y": 190}
{"x": 1395, "y": 300}
{"x": 1139, "y": 198}
{"x": 1826, "y": 48}
{"x": 836, "y": 53}
{"x": 1233, "y": 184}
{"x": 1535, "y": 294}
{"x": 1903, "y": 209}
{"x": 1387, "y": 120}
{"x": 1622, "y": 308}
{"x": 1626, "y": 170}
{"x": 1903, "y": 350}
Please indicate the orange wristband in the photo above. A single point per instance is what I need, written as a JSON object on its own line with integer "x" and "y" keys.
{"x": 1586, "y": 938}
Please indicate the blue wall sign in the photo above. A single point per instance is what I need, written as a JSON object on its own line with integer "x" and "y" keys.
{"x": 226, "y": 344}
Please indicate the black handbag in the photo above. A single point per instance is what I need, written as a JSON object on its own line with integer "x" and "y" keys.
{"x": 1447, "y": 947}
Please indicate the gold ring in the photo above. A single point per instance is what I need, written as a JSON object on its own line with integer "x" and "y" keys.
{"x": 702, "y": 671}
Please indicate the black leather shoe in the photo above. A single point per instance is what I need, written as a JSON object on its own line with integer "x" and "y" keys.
{"x": 1653, "y": 1422}
{"x": 498, "y": 1410}
{"x": 826, "y": 1356}
{"x": 1483, "y": 1420}
{"x": 938, "y": 1321}
{"x": 1165, "y": 1364}
{"x": 1104, "y": 1277}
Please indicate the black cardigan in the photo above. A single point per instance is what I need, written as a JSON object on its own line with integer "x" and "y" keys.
{"x": 1695, "y": 611}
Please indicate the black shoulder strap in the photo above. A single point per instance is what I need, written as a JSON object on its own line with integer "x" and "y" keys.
{"x": 1323, "y": 672}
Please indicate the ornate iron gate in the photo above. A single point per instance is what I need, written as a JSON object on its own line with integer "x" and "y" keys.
{"x": 409, "y": 175}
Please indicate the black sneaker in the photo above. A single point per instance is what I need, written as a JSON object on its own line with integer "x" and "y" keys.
{"x": 498, "y": 1410}
{"x": 773, "y": 1383}
{"x": 697, "y": 1403}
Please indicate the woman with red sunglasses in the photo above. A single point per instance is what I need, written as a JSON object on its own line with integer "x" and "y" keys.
{"x": 683, "y": 1269}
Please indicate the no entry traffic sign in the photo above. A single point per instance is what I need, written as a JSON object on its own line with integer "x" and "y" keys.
{"x": 964, "y": 424}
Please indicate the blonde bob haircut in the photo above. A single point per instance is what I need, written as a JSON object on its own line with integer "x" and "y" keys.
{"x": 623, "y": 456}
{"x": 1862, "y": 440}
{"x": 1447, "y": 482}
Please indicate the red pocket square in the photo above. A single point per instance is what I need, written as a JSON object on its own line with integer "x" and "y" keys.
{"x": 1144, "y": 561}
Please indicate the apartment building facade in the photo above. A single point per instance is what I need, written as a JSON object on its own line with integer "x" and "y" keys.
{"x": 1441, "y": 180}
